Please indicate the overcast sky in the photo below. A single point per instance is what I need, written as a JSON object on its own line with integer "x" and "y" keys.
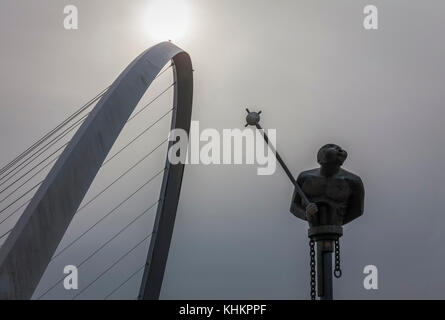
{"x": 318, "y": 76}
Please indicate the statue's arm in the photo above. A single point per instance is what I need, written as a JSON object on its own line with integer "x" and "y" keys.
{"x": 356, "y": 203}
{"x": 296, "y": 207}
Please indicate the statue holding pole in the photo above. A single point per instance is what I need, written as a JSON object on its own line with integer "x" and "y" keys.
{"x": 327, "y": 198}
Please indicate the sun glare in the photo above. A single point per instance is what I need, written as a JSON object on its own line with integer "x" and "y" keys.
{"x": 166, "y": 19}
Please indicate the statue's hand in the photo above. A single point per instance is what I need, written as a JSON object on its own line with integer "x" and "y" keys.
{"x": 311, "y": 210}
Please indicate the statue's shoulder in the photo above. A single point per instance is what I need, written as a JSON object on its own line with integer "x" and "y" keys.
{"x": 309, "y": 174}
{"x": 352, "y": 178}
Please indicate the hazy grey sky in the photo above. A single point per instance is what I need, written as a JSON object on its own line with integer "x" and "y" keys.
{"x": 318, "y": 76}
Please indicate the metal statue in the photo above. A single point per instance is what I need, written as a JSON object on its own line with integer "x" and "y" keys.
{"x": 327, "y": 198}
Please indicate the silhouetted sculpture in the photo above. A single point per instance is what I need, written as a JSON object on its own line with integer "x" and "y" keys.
{"x": 337, "y": 193}
{"x": 328, "y": 198}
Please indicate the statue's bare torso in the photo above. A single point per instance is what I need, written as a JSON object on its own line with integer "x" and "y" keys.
{"x": 331, "y": 195}
{"x": 338, "y": 195}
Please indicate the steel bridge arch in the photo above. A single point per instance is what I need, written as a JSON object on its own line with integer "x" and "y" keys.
{"x": 27, "y": 251}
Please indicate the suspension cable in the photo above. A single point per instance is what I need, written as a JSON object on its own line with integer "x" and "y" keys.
{"x": 138, "y": 136}
{"x": 105, "y": 163}
{"x": 64, "y": 123}
{"x": 102, "y": 246}
{"x": 51, "y": 132}
{"x": 15, "y": 211}
{"x": 29, "y": 179}
{"x": 162, "y": 72}
{"x": 152, "y": 101}
{"x": 97, "y": 195}
{"x": 7, "y": 232}
{"x": 36, "y": 166}
{"x": 38, "y": 153}
{"x": 121, "y": 176}
{"x": 112, "y": 266}
{"x": 21, "y": 162}
{"x": 123, "y": 283}
{"x": 106, "y": 215}
{"x": 63, "y": 134}
{"x": 21, "y": 197}
{"x": 53, "y": 142}
{"x": 131, "y": 142}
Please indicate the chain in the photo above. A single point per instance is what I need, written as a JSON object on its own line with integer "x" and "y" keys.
{"x": 337, "y": 270}
{"x": 313, "y": 273}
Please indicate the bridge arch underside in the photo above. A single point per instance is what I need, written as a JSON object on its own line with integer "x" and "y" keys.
{"x": 29, "y": 248}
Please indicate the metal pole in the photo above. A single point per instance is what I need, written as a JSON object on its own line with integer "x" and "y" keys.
{"x": 284, "y": 166}
{"x": 324, "y": 269}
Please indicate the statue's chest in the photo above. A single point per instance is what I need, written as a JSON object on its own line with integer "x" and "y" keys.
{"x": 336, "y": 189}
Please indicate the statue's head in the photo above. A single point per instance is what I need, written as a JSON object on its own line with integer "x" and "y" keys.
{"x": 331, "y": 154}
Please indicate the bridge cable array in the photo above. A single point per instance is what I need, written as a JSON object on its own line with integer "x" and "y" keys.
{"x": 105, "y": 163}
{"x": 21, "y": 171}
{"x": 4, "y": 170}
{"x": 49, "y": 134}
{"x": 55, "y": 140}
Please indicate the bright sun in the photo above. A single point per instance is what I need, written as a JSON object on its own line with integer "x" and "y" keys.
{"x": 166, "y": 19}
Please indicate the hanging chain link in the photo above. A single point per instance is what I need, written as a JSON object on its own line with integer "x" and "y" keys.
{"x": 337, "y": 270}
{"x": 313, "y": 273}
